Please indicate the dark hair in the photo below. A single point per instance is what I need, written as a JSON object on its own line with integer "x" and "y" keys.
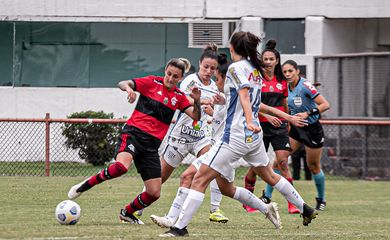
{"x": 292, "y": 63}
{"x": 210, "y": 51}
{"x": 245, "y": 45}
{"x": 223, "y": 64}
{"x": 183, "y": 64}
{"x": 270, "y": 47}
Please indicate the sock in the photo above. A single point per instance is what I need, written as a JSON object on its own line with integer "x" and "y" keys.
{"x": 190, "y": 206}
{"x": 247, "y": 198}
{"x": 319, "y": 180}
{"x": 268, "y": 188}
{"x": 177, "y": 204}
{"x": 290, "y": 193}
{"x": 250, "y": 184}
{"x": 141, "y": 201}
{"x": 215, "y": 196}
{"x": 114, "y": 170}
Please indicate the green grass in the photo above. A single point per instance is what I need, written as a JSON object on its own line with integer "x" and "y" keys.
{"x": 356, "y": 210}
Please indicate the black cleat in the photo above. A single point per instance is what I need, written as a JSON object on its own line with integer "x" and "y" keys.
{"x": 308, "y": 214}
{"x": 129, "y": 218}
{"x": 320, "y": 204}
{"x": 175, "y": 232}
{"x": 265, "y": 199}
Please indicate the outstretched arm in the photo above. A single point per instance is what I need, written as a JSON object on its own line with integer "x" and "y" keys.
{"x": 295, "y": 120}
{"x": 128, "y": 86}
{"x": 195, "y": 111}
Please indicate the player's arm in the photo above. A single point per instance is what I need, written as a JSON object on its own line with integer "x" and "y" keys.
{"x": 195, "y": 110}
{"x": 295, "y": 120}
{"x": 244, "y": 97}
{"x": 322, "y": 106}
{"x": 128, "y": 86}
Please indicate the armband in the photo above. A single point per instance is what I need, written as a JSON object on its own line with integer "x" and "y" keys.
{"x": 313, "y": 112}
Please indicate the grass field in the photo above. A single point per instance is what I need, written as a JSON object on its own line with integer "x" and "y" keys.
{"x": 356, "y": 210}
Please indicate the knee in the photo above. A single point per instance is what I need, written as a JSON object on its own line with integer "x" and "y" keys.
{"x": 283, "y": 164}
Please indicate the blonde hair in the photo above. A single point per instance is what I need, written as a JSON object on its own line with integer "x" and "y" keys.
{"x": 182, "y": 63}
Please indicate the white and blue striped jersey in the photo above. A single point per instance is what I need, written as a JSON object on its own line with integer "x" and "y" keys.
{"x": 185, "y": 128}
{"x": 241, "y": 75}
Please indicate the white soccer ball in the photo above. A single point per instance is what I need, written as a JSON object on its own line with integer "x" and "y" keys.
{"x": 68, "y": 212}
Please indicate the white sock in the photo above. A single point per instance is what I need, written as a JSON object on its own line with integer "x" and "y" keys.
{"x": 244, "y": 196}
{"x": 177, "y": 204}
{"x": 190, "y": 206}
{"x": 215, "y": 196}
{"x": 290, "y": 193}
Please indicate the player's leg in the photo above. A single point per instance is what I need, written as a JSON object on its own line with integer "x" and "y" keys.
{"x": 120, "y": 167}
{"x": 288, "y": 191}
{"x": 150, "y": 169}
{"x": 313, "y": 157}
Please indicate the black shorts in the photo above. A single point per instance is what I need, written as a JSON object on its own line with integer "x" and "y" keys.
{"x": 311, "y": 136}
{"x": 276, "y": 136}
{"x": 144, "y": 149}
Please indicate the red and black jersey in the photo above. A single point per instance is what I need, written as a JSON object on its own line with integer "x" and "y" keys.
{"x": 273, "y": 94}
{"x": 156, "y": 106}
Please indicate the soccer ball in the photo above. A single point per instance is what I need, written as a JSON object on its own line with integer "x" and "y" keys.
{"x": 68, "y": 212}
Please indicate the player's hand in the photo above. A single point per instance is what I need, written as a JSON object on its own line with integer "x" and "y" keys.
{"x": 219, "y": 99}
{"x": 253, "y": 127}
{"x": 298, "y": 121}
{"x": 208, "y": 109}
{"x": 195, "y": 94}
{"x": 303, "y": 115}
{"x": 131, "y": 96}
{"x": 276, "y": 122}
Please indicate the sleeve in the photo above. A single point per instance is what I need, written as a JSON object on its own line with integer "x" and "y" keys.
{"x": 141, "y": 84}
{"x": 310, "y": 90}
{"x": 285, "y": 89}
{"x": 183, "y": 103}
{"x": 187, "y": 84}
{"x": 237, "y": 75}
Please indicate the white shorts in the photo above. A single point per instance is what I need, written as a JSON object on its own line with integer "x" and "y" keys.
{"x": 174, "y": 152}
{"x": 222, "y": 156}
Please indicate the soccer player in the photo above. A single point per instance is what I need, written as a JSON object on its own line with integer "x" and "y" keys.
{"x": 275, "y": 130}
{"x": 218, "y": 113}
{"x": 242, "y": 137}
{"x": 142, "y": 135}
{"x": 304, "y": 100}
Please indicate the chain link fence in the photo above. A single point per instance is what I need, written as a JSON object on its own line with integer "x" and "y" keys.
{"x": 37, "y": 147}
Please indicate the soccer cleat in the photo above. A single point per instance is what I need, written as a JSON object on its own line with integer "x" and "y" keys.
{"x": 320, "y": 204}
{"x": 265, "y": 199}
{"x": 292, "y": 209}
{"x": 218, "y": 216}
{"x": 163, "y": 222}
{"x": 249, "y": 209}
{"x": 139, "y": 212}
{"x": 78, "y": 189}
{"x": 175, "y": 232}
{"x": 273, "y": 215}
{"x": 129, "y": 218}
{"x": 308, "y": 214}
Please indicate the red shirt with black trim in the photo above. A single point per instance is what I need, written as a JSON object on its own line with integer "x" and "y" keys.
{"x": 156, "y": 106}
{"x": 273, "y": 94}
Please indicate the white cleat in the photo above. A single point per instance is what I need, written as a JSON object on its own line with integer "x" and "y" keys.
{"x": 161, "y": 221}
{"x": 273, "y": 215}
{"x": 73, "y": 194}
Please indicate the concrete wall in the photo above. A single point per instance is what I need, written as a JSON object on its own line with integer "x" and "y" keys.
{"x": 59, "y": 102}
{"x": 161, "y": 10}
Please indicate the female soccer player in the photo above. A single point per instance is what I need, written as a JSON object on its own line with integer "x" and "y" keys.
{"x": 142, "y": 135}
{"x": 242, "y": 137}
{"x": 218, "y": 120}
{"x": 189, "y": 136}
{"x": 304, "y": 100}
{"x": 273, "y": 93}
